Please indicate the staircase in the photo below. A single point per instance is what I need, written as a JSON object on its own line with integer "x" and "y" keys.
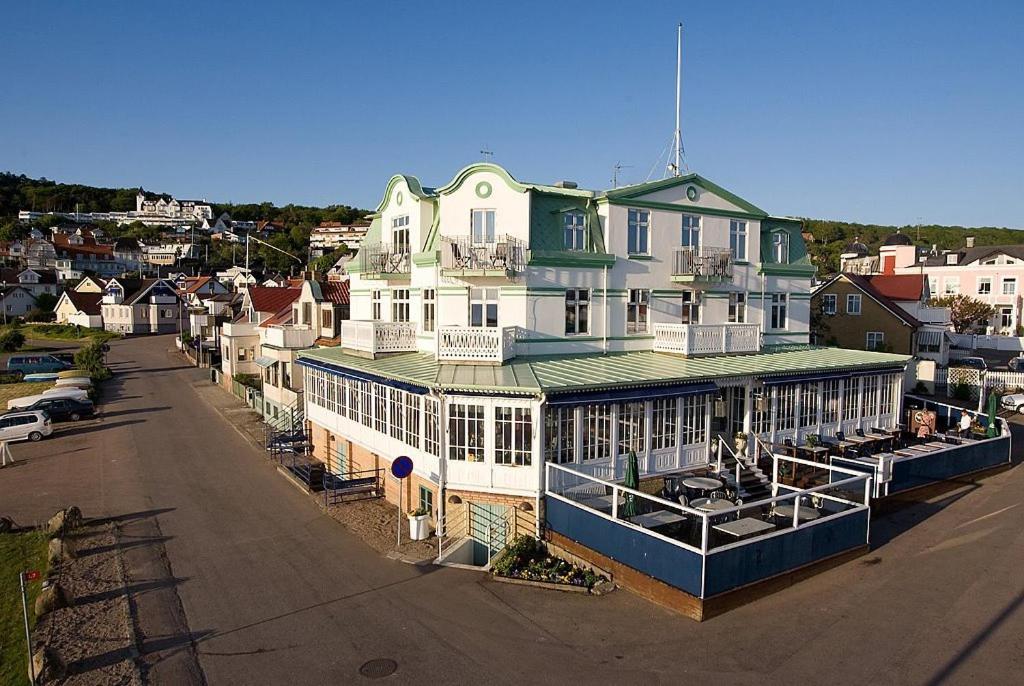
{"x": 742, "y": 474}
{"x": 286, "y": 433}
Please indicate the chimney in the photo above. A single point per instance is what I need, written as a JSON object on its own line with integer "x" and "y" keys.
{"x": 565, "y": 184}
{"x": 970, "y": 241}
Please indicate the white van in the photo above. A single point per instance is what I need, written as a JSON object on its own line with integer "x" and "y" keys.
{"x": 25, "y": 401}
{"x": 20, "y": 426}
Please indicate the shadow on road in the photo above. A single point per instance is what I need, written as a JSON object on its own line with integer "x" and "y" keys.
{"x": 899, "y": 520}
{"x": 131, "y": 516}
{"x": 134, "y": 589}
{"x": 124, "y": 545}
{"x": 140, "y": 410}
{"x": 104, "y": 427}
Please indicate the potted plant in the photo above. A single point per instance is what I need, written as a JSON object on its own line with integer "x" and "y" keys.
{"x": 419, "y": 525}
{"x": 741, "y": 443}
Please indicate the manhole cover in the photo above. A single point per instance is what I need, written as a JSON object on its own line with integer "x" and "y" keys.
{"x": 381, "y": 667}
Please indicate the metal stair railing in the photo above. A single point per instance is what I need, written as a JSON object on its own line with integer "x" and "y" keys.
{"x": 452, "y": 527}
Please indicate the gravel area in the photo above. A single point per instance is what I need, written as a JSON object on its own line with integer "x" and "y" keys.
{"x": 375, "y": 520}
{"x": 93, "y": 636}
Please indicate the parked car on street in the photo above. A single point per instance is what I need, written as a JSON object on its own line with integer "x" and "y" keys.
{"x": 1017, "y": 364}
{"x": 25, "y": 401}
{"x": 21, "y": 426}
{"x": 971, "y": 362}
{"x": 1014, "y": 401}
{"x": 65, "y": 357}
{"x": 64, "y": 409}
{"x": 39, "y": 363}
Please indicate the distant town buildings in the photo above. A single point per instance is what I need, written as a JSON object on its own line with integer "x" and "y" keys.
{"x": 329, "y": 236}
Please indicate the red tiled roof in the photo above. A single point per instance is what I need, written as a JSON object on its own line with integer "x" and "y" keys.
{"x": 194, "y": 283}
{"x": 865, "y": 283}
{"x": 271, "y": 299}
{"x": 335, "y": 291}
{"x": 899, "y": 286}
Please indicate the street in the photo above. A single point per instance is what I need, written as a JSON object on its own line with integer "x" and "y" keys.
{"x": 238, "y": 578}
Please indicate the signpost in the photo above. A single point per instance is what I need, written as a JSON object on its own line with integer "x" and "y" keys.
{"x": 31, "y": 575}
{"x": 400, "y": 469}
{"x": 5, "y": 455}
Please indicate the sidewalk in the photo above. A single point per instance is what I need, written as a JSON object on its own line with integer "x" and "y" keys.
{"x": 243, "y": 418}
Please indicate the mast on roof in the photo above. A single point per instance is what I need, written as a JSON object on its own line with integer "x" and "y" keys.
{"x": 676, "y": 165}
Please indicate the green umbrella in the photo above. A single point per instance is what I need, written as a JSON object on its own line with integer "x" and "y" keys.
{"x": 632, "y": 480}
{"x": 993, "y": 404}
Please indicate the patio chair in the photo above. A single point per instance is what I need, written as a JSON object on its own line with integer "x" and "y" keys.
{"x": 500, "y": 256}
{"x": 859, "y": 432}
{"x": 788, "y": 442}
{"x": 683, "y": 501}
{"x": 460, "y": 260}
{"x": 841, "y": 436}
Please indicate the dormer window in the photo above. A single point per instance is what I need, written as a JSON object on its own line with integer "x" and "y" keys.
{"x": 574, "y": 225}
{"x": 780, "y": 247}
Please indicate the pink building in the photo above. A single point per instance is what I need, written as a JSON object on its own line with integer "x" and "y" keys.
{"x": 993, "y": 274}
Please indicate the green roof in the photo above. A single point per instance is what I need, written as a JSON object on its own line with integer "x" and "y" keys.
{"x": 533, "y": 375}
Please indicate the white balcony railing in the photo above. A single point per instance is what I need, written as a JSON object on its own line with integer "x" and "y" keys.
{"x": 476, "y": 344}
{"x": 707, "y": 339}
{"x": 378, "y": 337}
{"x": 290, "y": 336}
{"x": 705, "y": 262}
{"x": 239, "y": 329}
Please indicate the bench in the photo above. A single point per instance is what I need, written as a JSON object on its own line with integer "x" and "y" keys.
{"x": 339, "y": 486}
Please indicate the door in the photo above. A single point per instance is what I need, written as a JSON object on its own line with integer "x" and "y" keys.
{"x": 488, "y": 527}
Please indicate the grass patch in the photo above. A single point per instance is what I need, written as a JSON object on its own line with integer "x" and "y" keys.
{"x": 10, "y": 391}
{"x": 18, "y": 553}
{"x": 64, "y": 332}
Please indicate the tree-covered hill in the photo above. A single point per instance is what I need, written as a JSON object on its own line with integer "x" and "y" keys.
{"x": 831, "y": 237}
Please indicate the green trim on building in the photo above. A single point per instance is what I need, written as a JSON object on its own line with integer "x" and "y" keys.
{"x": 807, "y": 270}
{"x": 569, "y": 259}
{"x": 410, "y": 181}
{"x": 641, "y": 189}
{"x": 681, "y": 208}
{"x": 426, "y": 259}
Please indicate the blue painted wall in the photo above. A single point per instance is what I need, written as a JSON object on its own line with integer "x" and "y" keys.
{"x": 761, "y": 559}
{"x": 949, "y": 464}
{"x": 652, "y": 556}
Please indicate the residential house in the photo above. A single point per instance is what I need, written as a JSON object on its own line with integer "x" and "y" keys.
{"x": 886, "y": 312}
{"x": 502, "y": 331}
{"x": 128, "y": 250}
{"x": 35, "y": 281}
{"x": 90, "y": 284}
{"x": 236, "y": 278}
{"x": 134, "y": 306}
{"x": 83, "y": 308}
{"x": 79, "y": 253}
{"x": 240, "y": 338}
{"x": 161, "y": 208}
{"x": 15, "y": 301}
{"x": 329, "y": 236}
{"x": 12, "y": 251}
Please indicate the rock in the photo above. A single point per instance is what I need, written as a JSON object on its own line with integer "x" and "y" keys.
{"x": 72, "y": 517}
{"x": 6, "y": 525}
{"x": 65, "y": 520}
{"x": 47, "y": 665}
{"x": 603, "y": 588}
{"x": 61, "y": 550}
{"x": 52, "y": 597}
{"x": 56, "y": 523}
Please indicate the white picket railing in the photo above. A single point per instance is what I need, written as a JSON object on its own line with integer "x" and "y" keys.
{"x": 378, "y": 337}
{"x": 707, "y": 339}
{"x": 476, "y": 343}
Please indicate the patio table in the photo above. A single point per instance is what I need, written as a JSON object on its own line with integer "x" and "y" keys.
{"x": 657, "y": 518}
{"x": 815, "y": 452}
{"x": 711, "y": 505}
{"x": 745, "y": 527}
{"x": 602, "y": 503}
{"x": 702, "y": 483}
{"x": 783, "y": 449}
{"x": 806, "y": 514}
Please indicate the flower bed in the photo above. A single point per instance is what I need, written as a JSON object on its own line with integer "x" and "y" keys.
{"x": 528, "y": 559}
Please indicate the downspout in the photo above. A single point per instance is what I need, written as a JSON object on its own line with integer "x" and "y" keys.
{"x": 442, "y": 463}
{"x": 541, "y": 478}
{"x": 604, "y": 343}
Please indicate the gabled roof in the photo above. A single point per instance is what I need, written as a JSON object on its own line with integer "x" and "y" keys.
{"x": 637, "y": 190}
{"x": 906, "y": 287}
{"x": 863, "y": 283}
{"x": 335, "y": 291}
{"x": 88, "y": 303}
{"x": 271, "y": 299}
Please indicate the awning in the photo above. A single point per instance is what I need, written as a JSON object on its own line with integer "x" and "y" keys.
{"x": 805, "y": 378}
{"x": 627, "y": 395}
{"x": 361, "y": 376}
{"x": 264, "y": 362}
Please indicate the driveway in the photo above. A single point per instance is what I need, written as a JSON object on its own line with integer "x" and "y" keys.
{"x": 239, "y": 579}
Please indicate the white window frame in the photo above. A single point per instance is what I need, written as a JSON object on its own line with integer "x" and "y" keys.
{"x": 638, "y": 307}
{"x": 577, "y": 303}
{"x": 400, "y": 234}
{"x": 596, "y": 443}
{"x": 737, "y": 308}
{"x": 690, "y": 308}
{"x": 854, "y": 304}
{"x": 779, "y": 313}
{"x": 984, "y": 285}
{"x": 951, "y": 285}
{"x": 375, "y": 305}
{"x": 638, "y": 232}
{"x": 560, "y": 434}
{"x": 483, "y": 232}
{"x": 467, "y": 428}
{"x": 429, "y": 309}
{"x": 513, "y": 436}
{"x": 690, "y": 231}
{"x": 874, "y": 340}
{"x": 574, "y": 225}
{"x": 829, "y": 302}
{"x": 780, "y": 247}
{"x": 738, "y": 239}
{"x": 663, "y": 423}
{"x": 400, "y": 310}
{"x": 1012, "y": 282}
{"x": 483, "y": 299}
{"x": 632, "y": 428}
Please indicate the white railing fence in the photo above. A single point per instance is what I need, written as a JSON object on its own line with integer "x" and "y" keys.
{"x": 476, "y": 343}
{"x": 378, "y": 337}
{"x": 706, "y": 339}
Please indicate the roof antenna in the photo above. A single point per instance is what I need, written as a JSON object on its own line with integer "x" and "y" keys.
{"x": 677, "y": 164}
{"x": 615, "y": 172}
{"x": 488, "y": 154}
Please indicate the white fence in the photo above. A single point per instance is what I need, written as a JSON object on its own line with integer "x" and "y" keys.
{"x": 969, "y": 342}
{"x": 476, "y": 343}
{"x": 378, "y": 337}
{"x": 707, "y": 339}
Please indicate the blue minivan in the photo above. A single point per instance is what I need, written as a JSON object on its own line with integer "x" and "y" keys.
{"x": 33, "y": 364}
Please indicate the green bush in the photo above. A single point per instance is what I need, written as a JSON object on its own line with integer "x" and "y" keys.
{"x": 11, "y": 339}
{"x": 90, "y": 357}
{"x": 528, "y": 558}
{"x": 961, "y": 391}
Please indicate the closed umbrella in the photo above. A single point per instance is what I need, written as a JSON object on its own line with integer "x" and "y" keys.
{"x": 630, "y": 508}
{"x": 993, "y": 403}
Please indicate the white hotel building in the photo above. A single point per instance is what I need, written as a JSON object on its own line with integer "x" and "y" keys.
{"x": 497, "y": 325}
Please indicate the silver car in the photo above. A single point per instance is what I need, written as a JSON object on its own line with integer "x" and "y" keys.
{"x": 31, "y": 425}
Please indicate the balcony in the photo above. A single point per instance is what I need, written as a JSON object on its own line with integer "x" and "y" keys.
{"x": 383, "y": 261}
{"x": 476, "y": 344}
{"x": 239, "y": 329}
{"x": 377, "y": 338}
{"x": 703, "y": 264}
{"x": 693, "y": 340}
{"x": 461, "y": 256}
{"x": 289, "y": 337}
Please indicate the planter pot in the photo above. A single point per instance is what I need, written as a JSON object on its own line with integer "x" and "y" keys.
{"x": 419, "y": 527}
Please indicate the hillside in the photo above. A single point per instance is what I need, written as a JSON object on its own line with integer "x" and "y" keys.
{"x": 830, "y": 237}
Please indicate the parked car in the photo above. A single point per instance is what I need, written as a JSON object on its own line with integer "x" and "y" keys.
{"x": 25, "y": 401}
{"x": 1014, "y": 401}
{"x": 65, "y": 357}
{"x": 971, "y": 362}
{"x": 1017, "y": 364}
{"x": 31, "y": 364}
{"x": 64, "y": 409}
{"x": 20, "y": 426}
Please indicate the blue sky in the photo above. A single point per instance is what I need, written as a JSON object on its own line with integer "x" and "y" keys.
{"x": 868, "y": 111}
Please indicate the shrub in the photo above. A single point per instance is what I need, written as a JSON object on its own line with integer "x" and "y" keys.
{"x": 11, "y": 339}
{"x": 920, "y": 388}
{"x": 39, "y": 315}
{"x": 90, "y": 358}
{"x": 961, "y": 391}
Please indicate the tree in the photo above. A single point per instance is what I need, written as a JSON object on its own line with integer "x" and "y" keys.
{"x": 964, "y": 310}
{"x": 46, "y": 302}
{"x": 11, "y": 339}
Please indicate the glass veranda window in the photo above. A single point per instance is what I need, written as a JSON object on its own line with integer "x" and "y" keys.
{"x": 513, "y": 435}
{"x": 466, "y": 432}
{"x": 560, "y": 434}
{"x": 483, "y": 226}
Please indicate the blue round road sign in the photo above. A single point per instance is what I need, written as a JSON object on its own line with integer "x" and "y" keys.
{"x": 401, "y": 467}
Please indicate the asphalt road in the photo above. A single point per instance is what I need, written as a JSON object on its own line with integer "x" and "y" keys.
{"x": 237, "y": 578}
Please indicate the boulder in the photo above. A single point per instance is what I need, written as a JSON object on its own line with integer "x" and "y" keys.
{"x": 603, "y": 588}
{"x": 56, "y": 523}
{"x": 72, "y": 517}
{"x": 52, "y": 597}
{"x": 47, "y": 665}
{"x": 65, "y": 520}
{"x": 61, "y": 550}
